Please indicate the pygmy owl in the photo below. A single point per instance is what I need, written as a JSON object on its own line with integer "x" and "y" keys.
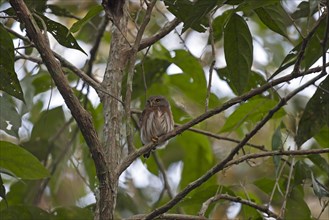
{"x": 156, "y": 120}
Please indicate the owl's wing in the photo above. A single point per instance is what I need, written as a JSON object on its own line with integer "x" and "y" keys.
{"x": 141, "y": 118}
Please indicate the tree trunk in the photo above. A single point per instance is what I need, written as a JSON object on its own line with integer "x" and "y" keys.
{"x": 114, "y": 131}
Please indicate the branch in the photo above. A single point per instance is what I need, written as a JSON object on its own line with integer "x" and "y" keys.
{"x": 82, "y": 117}
{"x": 163, "y": 32}
{"x": 209, "y": 134}
{"x": 276, "y": 153}
{"x": 164, "y": 175}
{"x": 30, "y": 58}
{"x": 146, "y": 148}
{"x": 94, "y": 49}
{"x": 325, "y": 39}
{"x": 260, "y": 208}
{"x": 87, "y": 79}
{"x": 169, "y": 216}
{"x": 228, "y": 158}
{"x": 305, "y": 42}
{"x": 130, "y": 74}
{"x": 213, "y": 57}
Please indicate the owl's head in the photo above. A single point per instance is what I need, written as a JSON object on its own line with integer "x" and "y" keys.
{"x": 157, "y": 101}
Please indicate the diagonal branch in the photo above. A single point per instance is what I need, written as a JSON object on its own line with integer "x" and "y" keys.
{"x": 276, "y": 153}
{"x": 218, "y": 137}
{"x": 221, "y": 165}
{"x": 305, "y": 43}
{"x": 163, "y": 32}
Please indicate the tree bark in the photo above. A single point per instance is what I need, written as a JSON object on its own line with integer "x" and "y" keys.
{"x": 114, "y": 129}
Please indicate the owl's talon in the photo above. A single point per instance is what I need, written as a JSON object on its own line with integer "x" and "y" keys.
{"x": 155, "y": 139}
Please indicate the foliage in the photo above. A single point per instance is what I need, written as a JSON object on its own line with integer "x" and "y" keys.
{"x": 257, "y": 53}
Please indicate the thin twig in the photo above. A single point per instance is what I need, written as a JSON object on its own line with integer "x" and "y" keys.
{"x": 93, "y": 51}
{"x": 90, "y": 81}
{"x": 325, "y": 205}
{"x": 305, "y": 43}
{"x": 164, "y": 174}
{"x": 276, "y": 153}
{"x": 216, "y": 198}
{"x": 283, "y": 208}
{"x": 213, "y": 57}
{"x": 209, "y": 134}
{"x": 30, "y": 58}
{"x": 143, "y": 71}
{"x": 325, "y": 39}
{"x": 53, "y": 168}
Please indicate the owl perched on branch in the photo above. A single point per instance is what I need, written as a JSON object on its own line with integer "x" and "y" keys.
{"x": 156, "y": 120}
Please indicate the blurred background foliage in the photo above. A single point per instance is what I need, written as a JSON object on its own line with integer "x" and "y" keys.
{"x": 46, "y": 168}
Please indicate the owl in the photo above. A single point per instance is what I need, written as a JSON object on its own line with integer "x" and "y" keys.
{"x": 156, "y": 120}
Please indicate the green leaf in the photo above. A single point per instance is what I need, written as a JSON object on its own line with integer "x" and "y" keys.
{"x": 316, "y": 114}
{"x": 275, "y": 18}
{"x": 193, "y": 14}
{"x": 60, "y": 33}
{"x": 314, "y": 48}
{"x": 322, "y": 137}
{"x": 2, "y": 190}
{"x": 38, "y": 6}
{"x": 152, "y": 70}
{"x": 8, "y": 81}
{"x": 319, "y": 161}
{"x": 190, "y": 65}
{"x": 45, "y": 128}
{"x": 296, "y": 206}
{"x": 319, "y": 189}
{"x": 289, "y": 60}
{"x": 277, "y": 145}
{"x": 95, "y": 10}
{"x": 198, "y": 156}
{"x": 59, "y": 11}
{"x": 312, "y": 53}
{"x": 15, "y": 212}
{"x": 267, "y": 185}
{"x": 251, "y": 111}
{"x": 238, "y": 51}
{"x": 254, "y": 4}
{"x": 301, "y": 172}
{"x": 20, "y": 162}
{"x": 219, "y": 23}
{"x": 303, "y": 10}
{"x": 191, "y": 203}
{"x": 255, "y": 80}
{"x": 42, "y": 82}
{"x": 72, "y": 212}
{"x": 10, "y": 120}
{"x": 248, "y": 212}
